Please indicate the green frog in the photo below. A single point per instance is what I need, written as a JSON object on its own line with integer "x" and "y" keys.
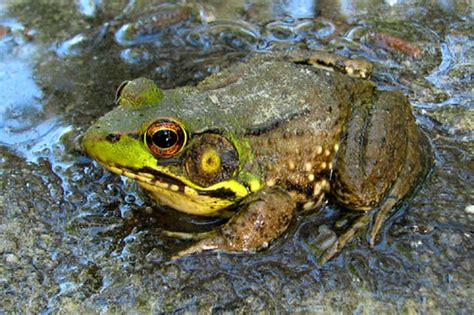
{"x": 264, "y": 140}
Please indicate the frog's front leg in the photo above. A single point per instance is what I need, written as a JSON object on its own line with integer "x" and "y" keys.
{"x": 263, "y": 217}
{"x": 380, "y": 162}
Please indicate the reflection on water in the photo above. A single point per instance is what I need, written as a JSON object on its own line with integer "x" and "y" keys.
{"x": 297, "y": 9}
{"x": 21, "y": 96}
{"x": 24, "y": 125}
{"x": 88, "y": 7}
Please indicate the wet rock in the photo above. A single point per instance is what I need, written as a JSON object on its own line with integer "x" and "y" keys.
{"x": 11, "y": 259}
{"x": 469, "y": 209}
{"x": 454, "y": 119}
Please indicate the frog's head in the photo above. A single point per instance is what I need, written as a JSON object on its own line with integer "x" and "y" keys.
{"x": 189, "y": 168}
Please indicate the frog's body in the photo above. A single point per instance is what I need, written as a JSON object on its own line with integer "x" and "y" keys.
{"x": 269, "y": 136}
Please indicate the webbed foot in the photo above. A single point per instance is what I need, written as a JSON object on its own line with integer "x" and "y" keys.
{"x": 360, "y": 223}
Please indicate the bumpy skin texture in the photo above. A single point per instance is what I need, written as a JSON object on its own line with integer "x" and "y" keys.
{"x": 265, "y": 215}
{"x": 301, "y": 133}
{"x": 374, "y": 151}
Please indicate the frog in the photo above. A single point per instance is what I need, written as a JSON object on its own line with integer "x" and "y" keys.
{"x": 262, "y": 142}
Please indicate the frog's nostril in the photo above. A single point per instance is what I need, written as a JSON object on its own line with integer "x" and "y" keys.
{"x": 112, "y": 137}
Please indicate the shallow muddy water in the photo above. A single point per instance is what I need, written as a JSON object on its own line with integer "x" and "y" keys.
{"x": 76, "y": 238}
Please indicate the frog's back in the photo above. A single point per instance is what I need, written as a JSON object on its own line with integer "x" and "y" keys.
{"x": 293, "y": 114}
{"x": 258, "y": 95}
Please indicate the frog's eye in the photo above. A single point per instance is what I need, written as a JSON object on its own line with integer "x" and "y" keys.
{"x": 165, "y": 138}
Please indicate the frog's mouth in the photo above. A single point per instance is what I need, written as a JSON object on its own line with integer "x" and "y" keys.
{"x": 183, "y": 195}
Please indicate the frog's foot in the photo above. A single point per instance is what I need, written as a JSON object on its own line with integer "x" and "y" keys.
{"x": 263, "y": 218}
{"x": 213, "y": 242}
{"x": 377, "y": 217}
{"x": 188, "y": 235}
{"x": 360, "y": 223}
{"x": 356, "y": 68}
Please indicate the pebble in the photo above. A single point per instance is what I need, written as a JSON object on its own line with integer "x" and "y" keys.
{"x": 469, "y": 209}
{"x": 11, "y": 258}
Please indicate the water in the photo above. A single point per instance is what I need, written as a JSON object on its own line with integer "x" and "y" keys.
{"x": 75, "y": 238}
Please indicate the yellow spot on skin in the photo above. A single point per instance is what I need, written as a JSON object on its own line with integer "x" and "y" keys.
{"x": 146, "y": 180}
{"x": 174, "y": 187}
{"x": 323, "y": 165}
{"x": 189, "y": 191}
{"x": 254, "y": 186}
{"x": 319, "y": 149}
{"x": 161, "y": 184}
{"x": 271, "y": 182}
{"x": 210, "y": 161}
{"x": 308, "y": 205}
{"x": 330, "y": 165}
{"x": 325, "y": 185}
{"x": 317, "y": 189}
{"x": 308, "y": 166}
{"x": 311, "y": 177}
{"x": 336, "y": 147}
{"x": 350, "y": 71}
{"x": 145, "y": 175}
{"x": 291, "y": 165}
{"x": 327, "y": 152}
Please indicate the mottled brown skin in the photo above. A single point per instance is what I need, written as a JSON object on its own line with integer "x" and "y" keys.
{"x": 359, "y": 145}
{"x": 263, "y": 217}
{"x": 267, "y": 137}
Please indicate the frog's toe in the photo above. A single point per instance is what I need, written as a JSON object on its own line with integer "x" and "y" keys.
{"x": 187, "y": 236}
{"x": 380, "y": 216}
{"x": 360, "y": 223}
{"x": 374, "y": 231}
{"x": 215, "y": 242}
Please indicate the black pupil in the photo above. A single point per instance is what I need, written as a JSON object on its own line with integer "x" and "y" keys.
{"x": 164, "y": 138}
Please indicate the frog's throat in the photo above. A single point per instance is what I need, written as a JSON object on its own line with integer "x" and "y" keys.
{"x": 185, "y": 197}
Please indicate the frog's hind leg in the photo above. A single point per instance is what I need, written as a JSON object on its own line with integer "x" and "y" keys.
{"x": 263, "y": 217}
{"x": 378, "y": 215}
{"x": 377, "y": 166}
{"x": 415, "y": 169}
